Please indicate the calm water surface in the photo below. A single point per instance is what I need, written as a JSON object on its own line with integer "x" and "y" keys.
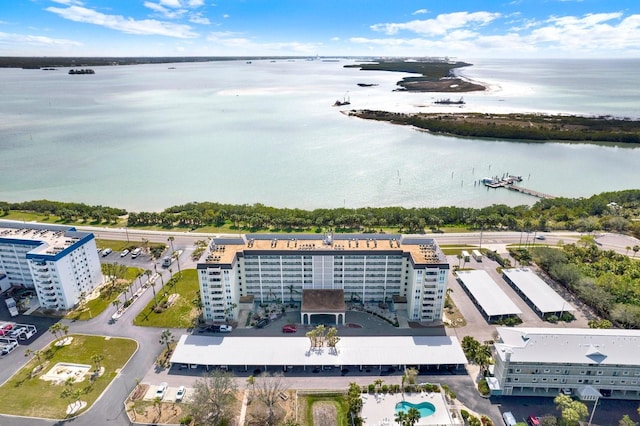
{"x": 147, "y": 137}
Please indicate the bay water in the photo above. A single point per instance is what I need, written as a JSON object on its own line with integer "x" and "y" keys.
{"x": 147, "y": 137}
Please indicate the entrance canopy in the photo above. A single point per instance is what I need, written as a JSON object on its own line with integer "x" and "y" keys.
{"x": 322, "y": 302}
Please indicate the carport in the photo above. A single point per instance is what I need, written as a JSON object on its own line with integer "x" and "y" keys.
{"x": 358, "y": 352}
{"x": 486, "y": 294}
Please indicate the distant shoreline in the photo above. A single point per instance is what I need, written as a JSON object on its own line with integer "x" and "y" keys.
{"x": 436, "y": 75}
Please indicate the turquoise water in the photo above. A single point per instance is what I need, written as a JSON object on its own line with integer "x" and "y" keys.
{"x": 147, "y": 137}
{"x": 425, "y": 408}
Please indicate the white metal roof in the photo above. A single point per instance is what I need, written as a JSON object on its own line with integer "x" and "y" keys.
{"x": 486, "y": 292}
{"x": 569, "y": 345}
{"x": 374, "y": 350}
{"x": 537, "y": 291}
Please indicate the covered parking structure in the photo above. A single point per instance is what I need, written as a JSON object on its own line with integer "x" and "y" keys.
{"x": 487, "y": 295}
{"x": 542, "y": 298}
{"x": 248, "y": 353}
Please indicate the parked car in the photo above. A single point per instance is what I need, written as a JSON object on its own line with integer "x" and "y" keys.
{"x": 180, "y": 393}
{"x": 533, "y": 421}
{"x": 225, "y": 328}
{"x": 289, "y": 328}
{"x": 8, "y": 348}
{"x": 136, "y": 252}
{"x": 262, "y": 323}
{"x": 106, "y": 252}
{"x": 509, "y": 419}
{"x": 161, "y": 390}
{"x": 124, "y": 252}
{"x": 5, "y": 329}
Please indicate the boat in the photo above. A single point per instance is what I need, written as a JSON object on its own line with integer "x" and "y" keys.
{"x": 344, "y": 101}
{"x": 367, "y": 84}
{"x": 449, "y": 101}
{"x": 82, "y": 71}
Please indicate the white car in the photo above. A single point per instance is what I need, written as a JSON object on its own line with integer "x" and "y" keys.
{"x": 180, "y": 393}
{"x": 106, "y": 252}
{"x": 124, "y": 252}
{"x": 161, "y": 390}
{"x": 9, "y": 347}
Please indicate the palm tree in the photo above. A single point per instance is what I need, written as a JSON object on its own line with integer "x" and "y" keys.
{"x": 413, "y": 415}
{"x": 116, "y": 303}
{"x": 97, "y": 360}
{"x": 635, "y": 249}
{"x": 55, "y": 329}
{"x": 166, "y": 338}
{"x": 64, "y": 329}
{"x": 170, "y": 239}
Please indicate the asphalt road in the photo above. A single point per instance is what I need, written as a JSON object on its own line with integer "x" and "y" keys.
{"x": 109, "y": 406}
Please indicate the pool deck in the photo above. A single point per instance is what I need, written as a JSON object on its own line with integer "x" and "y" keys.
{"x": 380, "y": 410}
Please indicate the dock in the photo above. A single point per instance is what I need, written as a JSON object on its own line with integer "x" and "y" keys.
{"x": 508, "y": 182}
{"x": 530, "y": 192}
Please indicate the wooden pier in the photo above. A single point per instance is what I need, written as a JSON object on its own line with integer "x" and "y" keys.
{"x": 530, "y": 192}
{"x": 509, "y": 181}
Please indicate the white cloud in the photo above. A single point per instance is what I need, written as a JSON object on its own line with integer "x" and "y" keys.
{"x": 225, "y": 16}
{"x": 165, "y": 12}
{"x": 420, "y": 12}
{"x": 440, "y": 25}
{"x": 125, "y": 25}
{"x": 196, "y": 3}
{"x": 68, "y": 2}
{"x": 234, "y": 42}
{"x": 36, "y": 40}
{"x": 171, "y": 3}
{"x": 198, "y": 18}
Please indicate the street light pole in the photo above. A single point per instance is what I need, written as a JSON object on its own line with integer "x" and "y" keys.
{"x": 593, "y": 411}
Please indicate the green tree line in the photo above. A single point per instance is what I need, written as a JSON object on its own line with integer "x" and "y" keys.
{"x": 612, "y": 211}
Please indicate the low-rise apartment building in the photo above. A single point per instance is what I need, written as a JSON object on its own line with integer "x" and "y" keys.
{"x": 548, "y": 361}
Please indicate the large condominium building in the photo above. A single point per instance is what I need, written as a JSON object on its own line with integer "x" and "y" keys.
{"x": 366, "y": 268}
{"x": 547, "y": 361}
{"x": 58, "y": 262}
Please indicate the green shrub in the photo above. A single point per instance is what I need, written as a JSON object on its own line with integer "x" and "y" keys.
{"x": 372, "y": 388}
{"x": 464, "y": 414}
{"x": 483, "y": 387}
{"x": 385, "y": 388}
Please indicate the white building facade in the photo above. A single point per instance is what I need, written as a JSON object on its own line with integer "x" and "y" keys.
{"x": 58, "y": 262}
{"x": 548, "y": 361}
{"x": 368, "y": 268}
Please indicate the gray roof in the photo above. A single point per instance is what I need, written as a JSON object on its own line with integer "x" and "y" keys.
{"x": 486, "y": 292}
{"x": 569, "y": 345}
{"x": 375, "y": 350}
{"x": 537, "y": 291}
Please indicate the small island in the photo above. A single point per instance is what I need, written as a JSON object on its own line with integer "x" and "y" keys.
{"x": 526, "y": 127}
{"x": 437, "y": 75}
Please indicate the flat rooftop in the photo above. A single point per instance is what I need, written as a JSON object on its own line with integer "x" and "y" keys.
{"x": 278, "y": 351}
{"x": 490, "y": 297}
{"x": 569, "y": 345}
{"x": 537, "y": 291}
{"x": 423, "y": 251}
{"x": 45, "y": 240}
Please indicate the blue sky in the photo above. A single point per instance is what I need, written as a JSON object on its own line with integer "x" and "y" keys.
{"x": 462, "y": 29}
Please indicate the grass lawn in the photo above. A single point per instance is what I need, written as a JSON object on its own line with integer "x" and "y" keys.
{"x": 23, "y": 395}
{"x": 95, "y": 307}
{"x": 339, "y": 401}
{"x": 182, "y": 313}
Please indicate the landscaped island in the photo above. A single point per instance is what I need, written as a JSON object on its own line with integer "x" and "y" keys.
{"x": 436, "y": 75}
{"x": 539, "y": 127}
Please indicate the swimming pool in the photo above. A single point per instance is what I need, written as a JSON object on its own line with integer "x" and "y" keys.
{"x": 425, "y": 408}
